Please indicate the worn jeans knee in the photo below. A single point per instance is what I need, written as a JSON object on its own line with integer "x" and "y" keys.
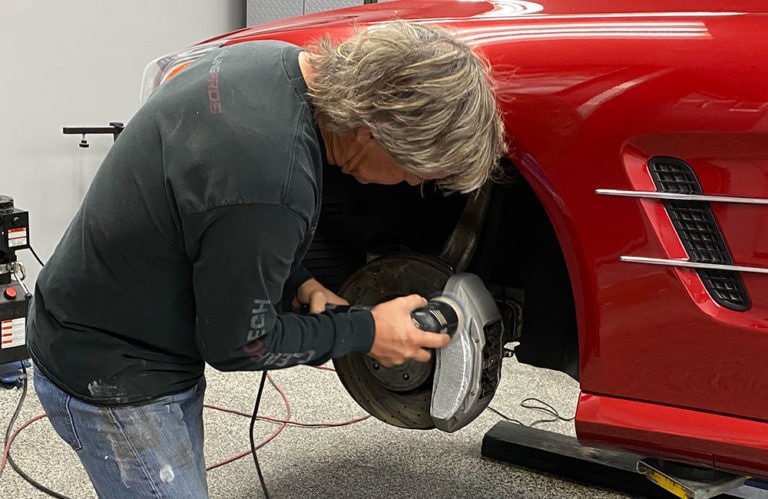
{"x": 151, "y": 450}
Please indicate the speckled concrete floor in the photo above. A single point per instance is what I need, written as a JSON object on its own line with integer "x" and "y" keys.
{"x": 366, "y": 459}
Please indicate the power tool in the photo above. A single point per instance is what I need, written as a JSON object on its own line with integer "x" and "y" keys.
{"x": 450, "y": 391}
{"x": 14, "y": 295}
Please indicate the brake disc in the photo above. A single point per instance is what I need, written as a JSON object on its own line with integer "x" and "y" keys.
{"x": 397, "y": 395}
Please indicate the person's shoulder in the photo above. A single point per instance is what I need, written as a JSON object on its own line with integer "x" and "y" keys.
{"x": 260, "y": 48}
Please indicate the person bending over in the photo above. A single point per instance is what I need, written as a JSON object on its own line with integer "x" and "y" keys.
{"x": 195, "y": 225}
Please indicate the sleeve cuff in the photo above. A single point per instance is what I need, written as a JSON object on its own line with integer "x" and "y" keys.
{"x": 363, "y": 329}
{"x": 355, "y": 332}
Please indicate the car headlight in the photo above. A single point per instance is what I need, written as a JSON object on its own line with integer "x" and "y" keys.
{"x": 166, "y": 67}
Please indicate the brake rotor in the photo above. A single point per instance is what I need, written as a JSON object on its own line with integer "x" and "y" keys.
{"x": 399, "y": 395}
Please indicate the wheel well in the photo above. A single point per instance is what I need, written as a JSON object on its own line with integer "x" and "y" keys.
{"x": 518, "y": 255}
{"x": 520, "y": 259}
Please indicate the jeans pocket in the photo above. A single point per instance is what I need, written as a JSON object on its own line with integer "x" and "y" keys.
{"x": 56, "y": 404}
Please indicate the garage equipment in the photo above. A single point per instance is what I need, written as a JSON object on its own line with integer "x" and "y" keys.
{"x": 564, "y": 456}
{"x": 114, "y": 128}
{"x": 14, "y": 295}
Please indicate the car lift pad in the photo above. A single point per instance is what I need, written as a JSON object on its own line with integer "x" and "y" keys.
{"x": 562, "y": 455}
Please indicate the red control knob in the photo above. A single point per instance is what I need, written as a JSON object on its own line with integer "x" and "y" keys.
{"x": 10, "y": 293}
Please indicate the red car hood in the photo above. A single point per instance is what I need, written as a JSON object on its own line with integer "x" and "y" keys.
{"x": 492, "y": 10}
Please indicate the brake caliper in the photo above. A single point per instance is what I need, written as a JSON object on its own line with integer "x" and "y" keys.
{"x": 468, "y": 370}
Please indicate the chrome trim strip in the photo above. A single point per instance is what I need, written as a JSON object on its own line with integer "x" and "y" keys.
{"x": 682, "y": 197}
{"x": 690, "y": 264}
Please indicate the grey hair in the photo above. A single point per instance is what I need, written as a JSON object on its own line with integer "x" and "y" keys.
{"x": 425, "y": 95}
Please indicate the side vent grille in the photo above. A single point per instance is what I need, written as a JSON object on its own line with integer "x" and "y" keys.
{"x": 673, "y": 175}
{"x": 698, "y": 230}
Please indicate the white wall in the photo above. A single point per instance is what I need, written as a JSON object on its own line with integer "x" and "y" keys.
{"x": 79, "y": 63}
{"x": 260, "y": 11}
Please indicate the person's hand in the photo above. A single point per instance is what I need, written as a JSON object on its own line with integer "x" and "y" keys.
{"x": 316, "y": 297}
{"x": 397, "y": 339}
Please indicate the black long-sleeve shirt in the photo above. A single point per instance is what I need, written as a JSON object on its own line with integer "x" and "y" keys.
{"x": 191, "y": 232}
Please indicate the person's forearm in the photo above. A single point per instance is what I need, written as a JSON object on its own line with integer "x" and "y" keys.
{"x": 297, "y": 339}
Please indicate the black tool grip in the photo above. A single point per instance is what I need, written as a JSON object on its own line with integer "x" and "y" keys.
{"x": 437, "y": 317}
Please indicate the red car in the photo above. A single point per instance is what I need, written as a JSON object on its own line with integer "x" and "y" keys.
{"x": 628, "y": 245}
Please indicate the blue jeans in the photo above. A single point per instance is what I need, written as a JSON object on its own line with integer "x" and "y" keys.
{"x": 151, "y": 450}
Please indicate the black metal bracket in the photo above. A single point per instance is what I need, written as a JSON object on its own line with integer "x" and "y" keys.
{"x": 114, "y": 128}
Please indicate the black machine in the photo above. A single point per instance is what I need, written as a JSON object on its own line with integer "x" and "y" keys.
{"x": 14, "y": 295}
